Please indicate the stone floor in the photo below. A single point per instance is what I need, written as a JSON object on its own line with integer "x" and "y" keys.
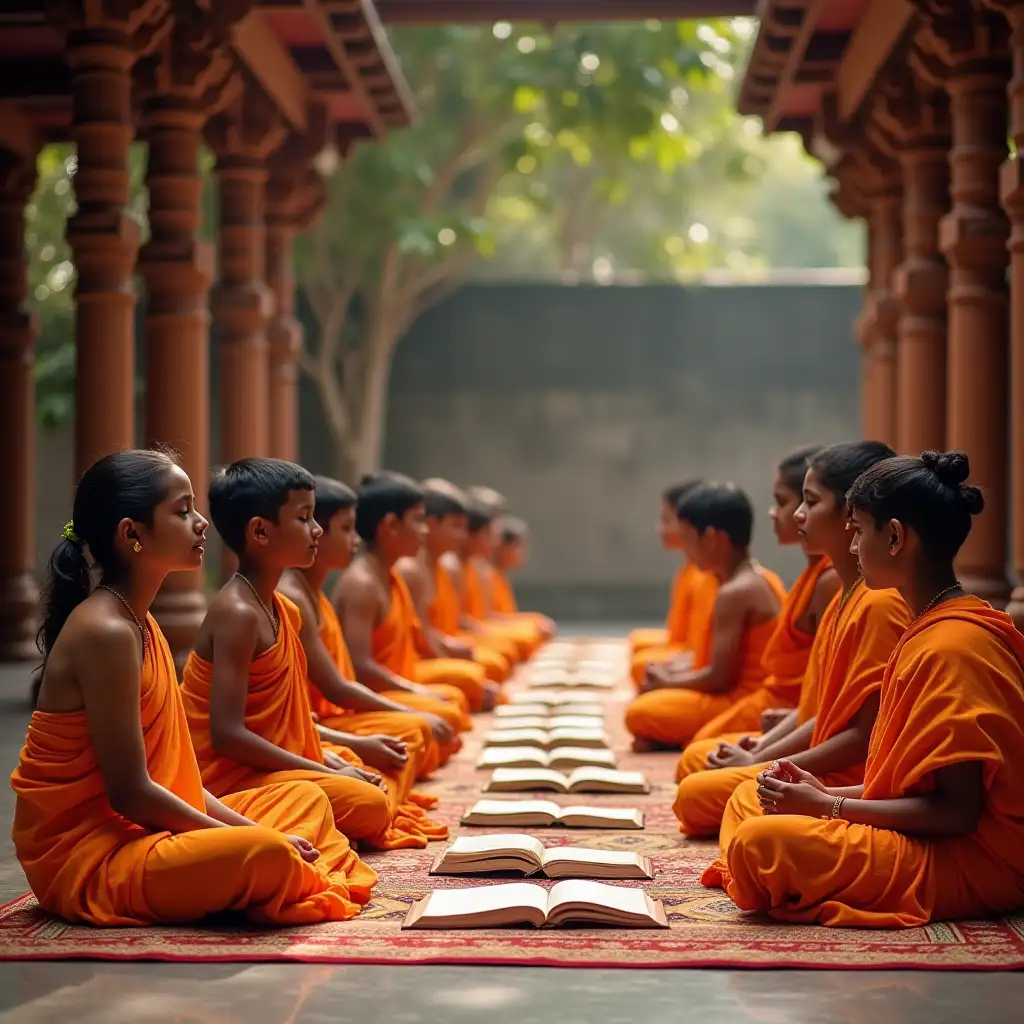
{"x": 96, "y": 993}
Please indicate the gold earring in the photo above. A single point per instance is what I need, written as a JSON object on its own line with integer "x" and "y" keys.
{"x": 136, "y": 547}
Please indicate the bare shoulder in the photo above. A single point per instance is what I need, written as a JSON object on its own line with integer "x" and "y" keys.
{"x": 411, "y": 569}
{"x": 451, "y": 563}
{"x": 827, "y": 586}
{"x": 357, "y": 586}
{"x": 229, "y": 617}
{"x": 299, "y": 595}
{"x": 94, "y": 633}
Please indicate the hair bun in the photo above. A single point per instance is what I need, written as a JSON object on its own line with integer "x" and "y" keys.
{"x": 952, "y": 468}
{"x": 973, "y": 499}
{"x": 368, "y": 478}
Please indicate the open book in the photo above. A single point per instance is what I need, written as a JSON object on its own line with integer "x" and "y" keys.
{"x": 492, "y": 906}
{"x": 482, "y": 855}
{"x": 559, "y": 705}
{"x": 552, "y": 698}
{"x": 560, "y": 757}
{"x": 544, "y": 722}
{"x": 582, "y": 780}
{"x": 548, "y": 739}
{"x": 546, "y": 813}
{"x": 583, "y": 681}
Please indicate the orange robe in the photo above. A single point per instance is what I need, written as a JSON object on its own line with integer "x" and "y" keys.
{"x": 674, "y": 630}
{"x": 848, "y": 659}
{"x": 953, "y": 693}
{"x": 673, "y": 717}
{"x": 523, "y": 631}
{"x": 690, "y": 627}
{"x": 87, "y": 863}
{"x": 393, "y": 645}
{"x": 421, "y": 748}
{"x": 277, "y": 708}
{"x": 445, "y": 611}
{"x": 503, "y": 600}
{"x": 784, "y": 662}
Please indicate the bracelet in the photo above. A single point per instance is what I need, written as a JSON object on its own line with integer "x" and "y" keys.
{"x": 837, "y": 807}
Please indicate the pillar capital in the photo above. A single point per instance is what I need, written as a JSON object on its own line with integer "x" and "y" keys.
{"x": 139, "y": 23}
{"x": 191, "y": 67}
{"x": 246, "y": 131}
{"x": 960, "y": 38}
{"x": 913, "y": 110}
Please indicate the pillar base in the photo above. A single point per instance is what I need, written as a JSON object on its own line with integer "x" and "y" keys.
{"x": 19, "y": 618}
{"x": 180, "y": 613}
{"x": 1015, "y": 609}
{"x": 995, "y": 591}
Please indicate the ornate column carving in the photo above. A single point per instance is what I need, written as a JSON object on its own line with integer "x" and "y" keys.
{"x": 189, "y": 75}
{"x": 295, "y": 198}
{"x": 916, "y": 115}
{"x": 19, "y": 596}
{"x": 1011, "y": 189}
{"x": 965, "y": 49}
{"x": 104, "y": 38}
{"x": 242, "y": 137}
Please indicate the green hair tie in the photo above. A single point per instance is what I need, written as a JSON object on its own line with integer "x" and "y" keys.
{"x": 68, "y": 533}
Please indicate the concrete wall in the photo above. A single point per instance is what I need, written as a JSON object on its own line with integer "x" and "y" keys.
{"x": 581, "y": 403}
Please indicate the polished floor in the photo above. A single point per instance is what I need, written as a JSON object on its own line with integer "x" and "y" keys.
{"x": 150, "y": 993}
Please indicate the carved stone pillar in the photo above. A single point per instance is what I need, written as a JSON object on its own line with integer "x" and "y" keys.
{"x": 242, "y": 137}
{"x": 19, "y": 597}
{"x": 103, "y": 40}
{"x": 187, "y": 75}
{"x": 294, "y": 199}
{"x": 965, "y": 49}
{"x": 1012, "y": 193}
{"x": 917, "y": 114}
{"x": 885, "y": 201}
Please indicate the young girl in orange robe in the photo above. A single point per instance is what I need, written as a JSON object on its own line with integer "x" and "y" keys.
{"x": 112, "y": 824}
{"x": 937, "y": 828}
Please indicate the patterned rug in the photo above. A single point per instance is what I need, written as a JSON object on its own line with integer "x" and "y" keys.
{"x": 706, "y": 929}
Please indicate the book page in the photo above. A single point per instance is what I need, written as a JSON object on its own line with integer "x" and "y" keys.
{"x": 521, "y": 710}
{"x": 586, "y": 855}
{"x": 496, "y": 756}
{"x": 467, "y": 846}
{"x": 596, "y": 774}
{"x": 567, "y": 736}
{"x": 582, "y": 755}
{"x": 590, "y": 722}
{"x": 503, "y": 725}
{"x": 503, "y": 807}
{"x": 518, "y": 738}
{"x": 607, "y": 813}
{"x": 484, "y": 898}
{"x": 528, "y": 776}
{"x": 618, "y": 897}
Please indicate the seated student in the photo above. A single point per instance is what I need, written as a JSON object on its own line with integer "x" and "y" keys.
{"x": 525, "y": 632}
{"x": 674, "y": 630}
{"x": 401, "y": 745}
{"x": 674, "y": 704}
{"x": 935, "y": 831}
{"x": 509, "y": 556}
{"x": 112, "y": 824}
{"x": 786, "y": 655}
{"x": 688, "y": 625}
{"x": 244, "y": 686}
{"x": 435, "y": 592}
{"x": 829, "y": 729}
{"x": 376, "y": 611}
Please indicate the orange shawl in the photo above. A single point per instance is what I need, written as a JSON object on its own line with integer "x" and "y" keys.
{"x": 755, "y": 642}
{"x": 503, "y": 597}
{"x": 954, "y": 692}
{"x": 334, "y": 643}
{"x": 788, "y": 651}
{"x": 277, "y": 707}
{"x": 66, "y": 834}
{"x": 856, "y": 641}
{"x": 474, "y": 595}
{"x": 394, "y": 639}
{"x": 446, "y": 607}
{"x": 687, "y": 581}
